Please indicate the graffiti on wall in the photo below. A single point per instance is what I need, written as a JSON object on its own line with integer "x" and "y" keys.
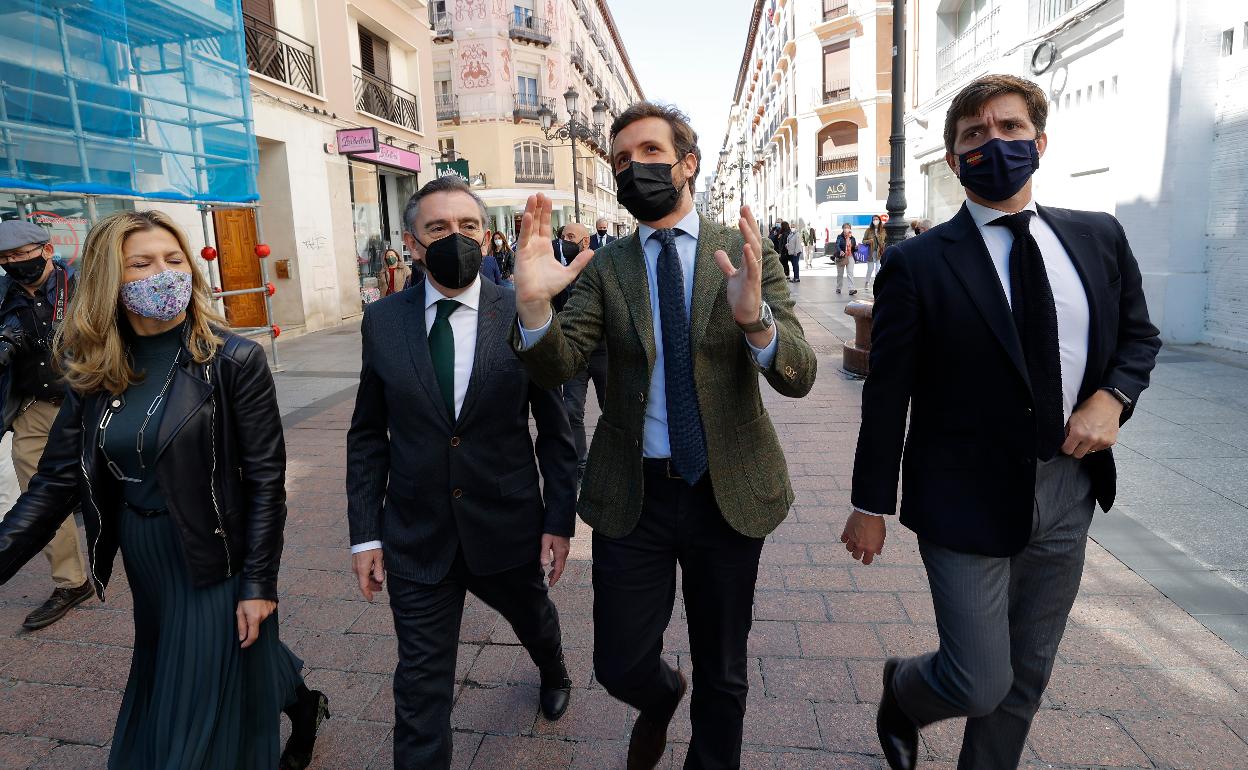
{"x": 474, "y": 66}
{"x": 469, "y": 9}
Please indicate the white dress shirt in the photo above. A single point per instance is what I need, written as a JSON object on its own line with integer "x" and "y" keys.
{"x": 655, "y": 442}
{"x": 1068, "y": 293}
{"x": 464, "y": 328}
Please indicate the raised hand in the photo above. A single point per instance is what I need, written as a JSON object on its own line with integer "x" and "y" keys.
{"x": 745, "y": 285}
{"x": 538, "y": 276}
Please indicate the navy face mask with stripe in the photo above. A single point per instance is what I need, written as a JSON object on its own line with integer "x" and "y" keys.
{"x": 998, "y": 169}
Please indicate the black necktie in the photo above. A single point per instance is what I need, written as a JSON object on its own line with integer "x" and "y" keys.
{"x": 1035, "y": 317}
{"x": 684, "y": 419}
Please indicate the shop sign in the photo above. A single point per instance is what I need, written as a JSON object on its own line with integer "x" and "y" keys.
{"x": 389, "y": 155}
{"x": 457, "y": 168}
{"x": 64, "y": 233}
{"x": 837, "y": 188}
{"x": 356, "y": 140}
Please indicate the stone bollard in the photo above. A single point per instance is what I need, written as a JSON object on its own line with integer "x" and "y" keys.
{"x": 857, "y": 354}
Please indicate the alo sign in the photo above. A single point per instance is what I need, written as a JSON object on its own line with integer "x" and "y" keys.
{"x": 837, "y": 188}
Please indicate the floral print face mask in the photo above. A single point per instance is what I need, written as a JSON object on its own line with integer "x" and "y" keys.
{"x": 161, "y": 297}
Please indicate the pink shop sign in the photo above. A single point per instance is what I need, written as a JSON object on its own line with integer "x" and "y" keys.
{"x": 356, "y": 140}
{"x": 389, "y": 155}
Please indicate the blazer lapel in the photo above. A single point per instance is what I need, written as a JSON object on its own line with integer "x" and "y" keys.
{"x": 1077, "y": 241}
{"x": 630, "y": 272}
{"x": 970, "y": 261}
{"x": 187, "y": 393}
{"x": 492, "y": 329}
{"x": 418, "y": 348}
{"x": 708, "y": 280}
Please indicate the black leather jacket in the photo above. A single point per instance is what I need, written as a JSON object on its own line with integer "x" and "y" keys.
{"x": 221, "y": 465}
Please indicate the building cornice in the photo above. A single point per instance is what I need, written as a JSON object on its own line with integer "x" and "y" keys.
{"x": 755, "y": 18}
{"x": 619, "y": 46}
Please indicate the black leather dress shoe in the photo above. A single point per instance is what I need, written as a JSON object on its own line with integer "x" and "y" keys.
{"x": 556, "y": 692}
{"x": 899, "y": 737}
{"x": 649, "y": 739}
{"x": 62, "y": 601}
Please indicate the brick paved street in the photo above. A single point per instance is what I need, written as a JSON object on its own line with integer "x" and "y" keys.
{"x": 1139, "y": 682}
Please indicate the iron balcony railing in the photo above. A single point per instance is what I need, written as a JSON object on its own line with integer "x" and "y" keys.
{"x": 968, "y": 52}
{"x": 443, "y": 29}
{"x": 838, "y": 164}
{"x": 578, "y": 57}
{"x": 835, "y": 91}
{"x": 535, "y": 173}
{"x": 448, "y": 106}
{"x": 277, "y": 55}
{"x": 386, "y": 100}
{"x": 834, "y": 9}
{"x": 526, "y": 106}
{"x": 530, "y": 29}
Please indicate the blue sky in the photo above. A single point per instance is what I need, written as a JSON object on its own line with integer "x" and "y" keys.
{"x": 687, "y": 53}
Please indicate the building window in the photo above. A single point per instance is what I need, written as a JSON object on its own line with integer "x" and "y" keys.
{"x": 446, "y": 148}
{"x": 1228, "y": 41}
{"x": 526, "y": 91}
{"x": 838, "y": 148}
{"x": 522, "y": 14}
{"x": 533, "y": 165}
{"x": 1042, "y": 13}
{"x": 967, "y": 38}
{"x": 374, "y": 55}
{"x": 836, "y": 72}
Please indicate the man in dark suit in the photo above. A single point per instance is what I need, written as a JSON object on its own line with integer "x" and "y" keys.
{"x": 685, "y": 467}
{"x": 601, "y": 237}
{"x": 1018, "y": 338}
{"x": 442, "y": 488}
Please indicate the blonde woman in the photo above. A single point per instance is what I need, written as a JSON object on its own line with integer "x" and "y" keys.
{"x": 170, "y": 441}
{"x": 876, "y": 239}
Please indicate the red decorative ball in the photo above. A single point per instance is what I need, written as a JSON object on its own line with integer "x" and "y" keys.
{"x": 271, "y": 288}
{"x": 277, "y": 330}
{"x": 208, "y": 253}
{"x": 262, "y": 250}
{"x": 216, "y": 289}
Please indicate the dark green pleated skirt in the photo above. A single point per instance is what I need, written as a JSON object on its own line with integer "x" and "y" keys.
{"x": 195, "y": 699}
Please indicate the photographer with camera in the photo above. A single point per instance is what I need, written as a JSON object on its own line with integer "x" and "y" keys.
{"x": 34, "y": 292}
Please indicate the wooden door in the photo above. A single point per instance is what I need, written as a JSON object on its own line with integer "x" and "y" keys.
{"x": 239, "y": 265}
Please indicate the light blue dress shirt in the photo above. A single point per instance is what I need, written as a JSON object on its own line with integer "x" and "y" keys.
{"x": 654, "y": 438}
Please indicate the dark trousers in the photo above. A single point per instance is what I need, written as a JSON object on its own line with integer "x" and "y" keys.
{"x": 634, "y": 589}
{"x": 574, "y": 392}
{"x": 1000, "y": 622}
{"x": 796, "y": 261}
{"x": 426, "y": 620}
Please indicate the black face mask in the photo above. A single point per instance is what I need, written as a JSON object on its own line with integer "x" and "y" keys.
{"x": 570, "y": 250}
{"x": 647, "y": 190}
{"x": 602, "y": 233}
{"x": 453, "y": 261}
{"x": 28, "y": 272}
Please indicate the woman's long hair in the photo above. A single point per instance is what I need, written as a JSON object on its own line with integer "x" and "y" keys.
{"x": 89, "y": 344}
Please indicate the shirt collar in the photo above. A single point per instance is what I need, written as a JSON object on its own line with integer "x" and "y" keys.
{"x": 983, "y": 215}
{"x": 690, "y": 225}
{"x": 471, "y": 297}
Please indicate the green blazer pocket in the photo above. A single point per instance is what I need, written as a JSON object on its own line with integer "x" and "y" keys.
{"x": 760, "y": 458}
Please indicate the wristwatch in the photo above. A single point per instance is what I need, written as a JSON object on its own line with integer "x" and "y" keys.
{"x": 765, "y": 321}
{"x": 1123, "y": 399}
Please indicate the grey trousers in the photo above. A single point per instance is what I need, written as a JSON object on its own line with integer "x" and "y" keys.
{"x": 1000, "y": 621}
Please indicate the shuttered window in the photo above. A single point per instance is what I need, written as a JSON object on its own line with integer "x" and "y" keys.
{"x": 374, "y": 55}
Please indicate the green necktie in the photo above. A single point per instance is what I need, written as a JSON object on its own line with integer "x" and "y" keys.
{"x": 442, "y": 351}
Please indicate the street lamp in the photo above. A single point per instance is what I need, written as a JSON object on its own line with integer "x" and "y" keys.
{"x": 739, "y": 165}
{"x": 896, "y": 227}
{"x": 573, "y": 130}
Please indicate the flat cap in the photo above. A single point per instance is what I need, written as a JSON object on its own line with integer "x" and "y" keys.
{"x": 16, "y": 233}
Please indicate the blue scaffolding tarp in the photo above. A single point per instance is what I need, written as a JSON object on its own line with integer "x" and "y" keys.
{"x": 143, "y": 98}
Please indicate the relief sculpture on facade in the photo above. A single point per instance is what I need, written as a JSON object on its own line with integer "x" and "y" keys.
{"x": 474, "y": 70}
{"x": 469, "y": 9}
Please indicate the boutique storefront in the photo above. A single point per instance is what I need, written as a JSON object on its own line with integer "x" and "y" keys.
{"x": 382, "y": 178}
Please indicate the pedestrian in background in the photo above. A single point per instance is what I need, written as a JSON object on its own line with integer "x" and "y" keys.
{"x": 443, "y": 491}
{"x": 394, "y": 273}
{"x": 846, "y": 247}
{"x": 1016, "y": 358}
{"x": 875, "y": 239}
{"x": 777, "y": 242}
{"x": 808, "y": 246}
{"x": 792, "y": 249}
{"x": 601, "y": 237}
{"x": 198, "y": 515}
{"x": 500, "y": 249}
{"x": 34, "y": 294}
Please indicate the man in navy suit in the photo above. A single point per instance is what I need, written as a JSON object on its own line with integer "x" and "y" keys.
{"x": 1017, "y": 340}
{"x": 600, "y": 238}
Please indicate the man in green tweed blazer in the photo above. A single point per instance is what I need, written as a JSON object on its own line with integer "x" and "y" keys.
{"x": 685, "y": 466}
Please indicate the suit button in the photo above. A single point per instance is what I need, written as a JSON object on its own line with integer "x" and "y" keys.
{"x": 457, "y": 494}
{"x": 641, "y": 397}
{"x": 455, "y": 441}
{"x": 1030, "y": 410}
